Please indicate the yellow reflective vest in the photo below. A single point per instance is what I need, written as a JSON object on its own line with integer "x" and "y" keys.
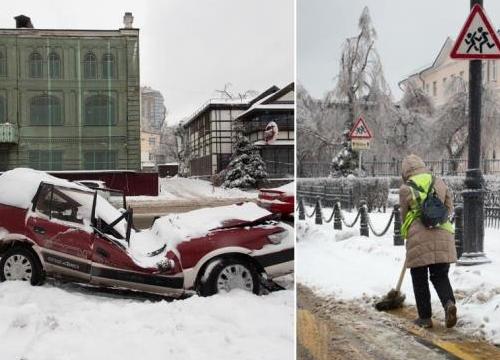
{"x": 424, "y": 181}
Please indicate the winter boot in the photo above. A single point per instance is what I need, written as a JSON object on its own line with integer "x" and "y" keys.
{"x": 450, "y": 314}
{"x": 423, "y": 323}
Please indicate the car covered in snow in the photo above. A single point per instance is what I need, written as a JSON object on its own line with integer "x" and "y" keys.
{"x": 52, "y": 227}
{"x": 279, "y": 200}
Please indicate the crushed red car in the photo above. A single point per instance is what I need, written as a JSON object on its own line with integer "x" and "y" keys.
{"x": 52, "y": 227}
{"x": 279, "y": 200}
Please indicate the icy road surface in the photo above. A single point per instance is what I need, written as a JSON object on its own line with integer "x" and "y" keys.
{"x": 70, "y": 323}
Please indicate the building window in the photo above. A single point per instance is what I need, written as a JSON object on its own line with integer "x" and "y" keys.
{"x": 427, "y": 88}
{"x": 3, "y": 64}
{"x": 54, "y": 66}
{"x": 462, "y": 74}
{"x": 152, "y": 141}
{"x": 35, "y": 65}
{"x": 45, "y": 110}
{"x": 45, "y": 159}
{"x": 108, "y": 66}
{"x": 100, "y": 160}
{"x": 494, "y": 70}
{"x": 3, "y": 110}
{"x": 100, "y": 110}
{"x": 444, "y": 81}
{"x": 434, "y": 88}
{"x": 89, "y": 66}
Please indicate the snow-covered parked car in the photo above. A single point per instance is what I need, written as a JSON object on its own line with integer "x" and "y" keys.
{"x": 279, "y": 200}
{"x": 49, "y": 226}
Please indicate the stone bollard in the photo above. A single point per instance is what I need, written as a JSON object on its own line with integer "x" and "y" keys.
{"x": 337, "y": 221}
{"x": 459, "y": 229}
{"x": 363, "y": 230}
{"x": 398, "y": 239}
{"x": 302, "y": 212}
{"x": 319, "y": 216}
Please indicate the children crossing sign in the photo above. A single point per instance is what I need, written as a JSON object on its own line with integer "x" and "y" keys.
{"x": 360, "y": 135}
{"x": 360, "y": 130}
{"x": 477, "y": 39}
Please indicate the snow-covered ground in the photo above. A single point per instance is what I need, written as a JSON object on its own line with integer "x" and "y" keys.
{"x": 179, "y": 188}
{"x": 71, "y": 323}
{"x": 348, "y": 266}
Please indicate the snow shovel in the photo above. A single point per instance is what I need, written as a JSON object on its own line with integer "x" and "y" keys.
{"x": 394, "y": 298}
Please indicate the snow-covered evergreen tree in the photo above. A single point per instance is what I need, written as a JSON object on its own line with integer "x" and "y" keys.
{"x": 246, "y": 168}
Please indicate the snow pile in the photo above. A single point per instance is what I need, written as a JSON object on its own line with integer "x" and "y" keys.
{"x": 51, "y": 323}
{"x": 184, "y": 188}
{"x": 340, "y": 268}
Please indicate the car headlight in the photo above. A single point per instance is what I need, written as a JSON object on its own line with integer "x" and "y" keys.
{"x": 277, "y": 238}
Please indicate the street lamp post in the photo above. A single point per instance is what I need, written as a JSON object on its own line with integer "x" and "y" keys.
{"x": 473, "y": 194}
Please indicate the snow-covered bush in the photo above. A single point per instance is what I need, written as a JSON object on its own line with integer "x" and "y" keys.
{"x": 246, "y": 168}
{"x": 373, "y": 190}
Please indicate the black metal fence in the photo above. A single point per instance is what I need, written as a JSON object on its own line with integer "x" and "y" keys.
{"x": 373, "y": 167}
{"x": 363, "y": 216}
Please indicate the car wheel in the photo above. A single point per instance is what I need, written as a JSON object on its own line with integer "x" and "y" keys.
{"x": 224, "y": 275}
{"x": 21, "y": 264}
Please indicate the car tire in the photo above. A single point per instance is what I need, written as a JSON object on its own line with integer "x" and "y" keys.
{"x": 26, "y": 259}
{"x": 216, "y": 276}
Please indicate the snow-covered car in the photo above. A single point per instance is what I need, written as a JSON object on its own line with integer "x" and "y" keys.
{"x": 279, "y": 200}
{"x": 49, "y": 226}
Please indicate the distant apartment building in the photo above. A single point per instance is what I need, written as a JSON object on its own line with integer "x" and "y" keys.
{"x": 433, "y": 78}
{"x": 211, "y": 130}
{"x": 153, "y": 114}
{"x": 69, "y": 99}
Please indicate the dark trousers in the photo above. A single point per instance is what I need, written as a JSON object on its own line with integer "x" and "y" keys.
{"x": 439, "y": 278}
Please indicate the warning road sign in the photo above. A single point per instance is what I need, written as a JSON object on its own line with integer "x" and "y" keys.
{"x": 360, "y": 130}
{"x": 477, "y": 39}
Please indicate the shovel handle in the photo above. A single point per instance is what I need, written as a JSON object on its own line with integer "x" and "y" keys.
{"x": 401, "y": 276}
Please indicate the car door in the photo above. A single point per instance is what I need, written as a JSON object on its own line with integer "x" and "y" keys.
{"x": 60, "y": 223}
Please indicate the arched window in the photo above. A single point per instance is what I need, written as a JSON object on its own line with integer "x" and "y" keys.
{"x": 3, "y": 64}
{"x": 3, "y": 110}
{"x": 108, "y": 66}
{"x": 54, "y": 66}
{"x": 89, "y": 66}
{"x": 45, "y": 110}
{"x": 36, "y": 65}
{"x": 100, "y": 110}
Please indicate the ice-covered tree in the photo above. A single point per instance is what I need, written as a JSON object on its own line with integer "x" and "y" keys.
{"x": 246, "y": 169}
{"x": 450, "y": 127}
{"x": 361, "y": 86}
{"x": 183, "y": 149}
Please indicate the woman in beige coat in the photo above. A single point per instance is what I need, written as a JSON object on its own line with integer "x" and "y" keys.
{"x": 428, "y": 250}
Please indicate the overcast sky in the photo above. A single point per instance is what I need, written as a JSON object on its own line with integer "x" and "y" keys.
{"x": 188, "y": 48}
{"x": 410, "y": 35}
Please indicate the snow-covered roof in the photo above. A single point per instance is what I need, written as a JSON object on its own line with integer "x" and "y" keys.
{"x": 27, "y": 181}
{"x": 271, "y": 102}
{"x": 230, "y": 103}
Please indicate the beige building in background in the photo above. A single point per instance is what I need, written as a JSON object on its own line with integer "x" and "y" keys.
{"x": 433, "y": 78}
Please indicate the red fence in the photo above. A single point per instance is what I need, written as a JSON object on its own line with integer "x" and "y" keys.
{"x": 132, "y": 183}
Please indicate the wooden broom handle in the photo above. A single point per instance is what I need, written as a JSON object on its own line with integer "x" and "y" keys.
{"x": 401, "y": 276}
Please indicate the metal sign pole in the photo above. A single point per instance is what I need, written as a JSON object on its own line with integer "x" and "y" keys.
{"x": 473, "y": 195}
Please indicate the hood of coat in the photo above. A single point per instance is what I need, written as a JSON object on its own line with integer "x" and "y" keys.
{"x": 413, "y": 165}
